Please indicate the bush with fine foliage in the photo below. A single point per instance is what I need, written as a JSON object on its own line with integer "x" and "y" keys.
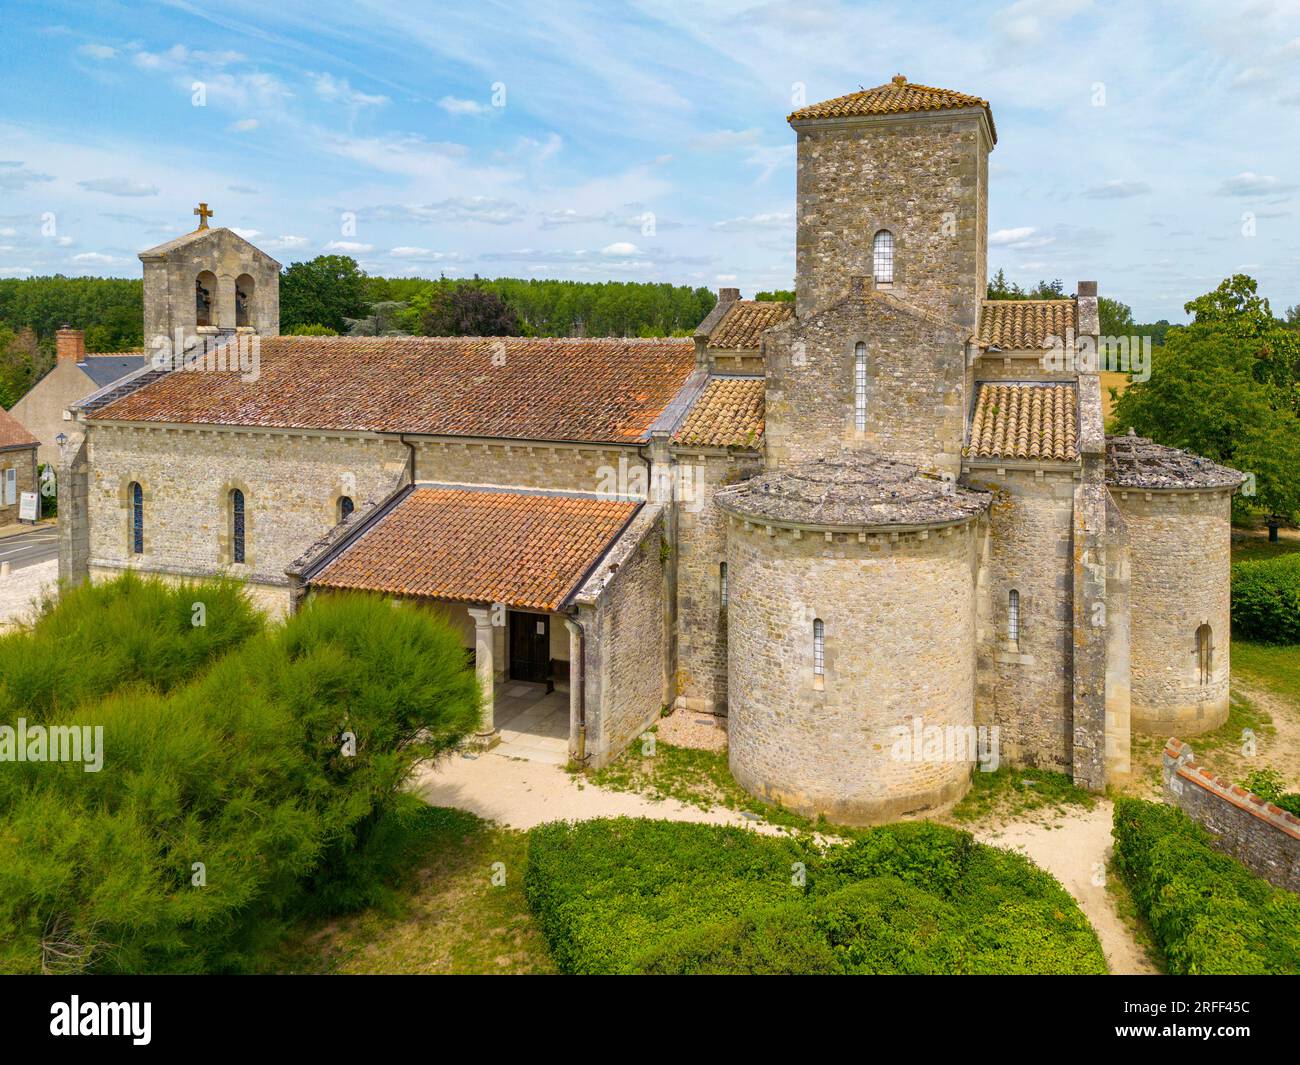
{"x": 639, "y": 896}
{"x": 244, "y": 770}
{"x": 1266, "y": 599}
{"x": 104, "y": 637}
{"x": 1209, "y": 913}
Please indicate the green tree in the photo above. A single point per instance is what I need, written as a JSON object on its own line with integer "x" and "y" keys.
{"x": 1216, "y": 390}
{"x": 468, "y": 311}
{"x": 325, "y": 290}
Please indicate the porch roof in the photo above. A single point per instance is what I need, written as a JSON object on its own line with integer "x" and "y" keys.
{"x": 480, "y": 545}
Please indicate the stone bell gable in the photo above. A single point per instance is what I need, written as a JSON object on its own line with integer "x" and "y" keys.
{"x": 209, "y": 281}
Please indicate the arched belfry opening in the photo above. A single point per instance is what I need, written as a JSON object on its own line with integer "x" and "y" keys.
{"x": 245, "y": 287}
{"x": 205, "y": 299}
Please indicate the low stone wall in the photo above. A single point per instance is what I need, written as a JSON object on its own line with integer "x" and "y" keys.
{"x": 1263, "y": 837}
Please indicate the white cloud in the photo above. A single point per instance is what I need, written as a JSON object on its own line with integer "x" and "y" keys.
{"x": 349, "y": 247}
{"x": 770, "y": 220}
{"x": 724, "y": 139}
{"x": 454, "y": 105}
{"x": 285, "y": 243}
{"x": 244, "y": 125}
{"x": 15, "y": 271}
{"x": 247, "y": 234}
{"x": 1248, "y": 183}
{"x": 98, "y": 51}
{"x": 119, "y": 186}
{"x": 620, "y": 247}
{"x": 94, "y": 258}
{"x": 337, "y": 90}
{"x": 1117, "y": 190}
{"x": 14, "y": 176}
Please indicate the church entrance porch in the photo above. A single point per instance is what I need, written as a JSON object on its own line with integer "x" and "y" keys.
{"x": 533, "y": 721}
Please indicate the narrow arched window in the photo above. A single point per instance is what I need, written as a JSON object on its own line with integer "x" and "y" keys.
{"x": 722, "y": 584}
{"x": 819, "y": 648}
{"x": 1013, "y": 616}
{"x": 346, "y": 507}
{"x": 237, "y": 526}
{"x": 1205, "y": 653}
{"x": 882, "y": 257}
{"x": 205, "y": 294}
{"x": 137, "y": 518}
{"x": 860, "y": 386}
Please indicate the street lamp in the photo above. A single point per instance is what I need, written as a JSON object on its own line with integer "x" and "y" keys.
{"x": 61, "y": 439}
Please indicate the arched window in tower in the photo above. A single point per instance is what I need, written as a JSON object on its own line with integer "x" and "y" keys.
{"x": 137, "y": 518}
{"x": 1205, "y": 653}
{"x": 1013, "y": 616}
{"x": 882, "y": 257}
{"x": 244, "y": 286}
{"x": 205, "y": 292}
{"x": 860, "y": 386}
{"x": 722, "y": 584}
{"x": 346, "y": 507}
{"x": 237, "y": 526}
{"x": 819, "y": 652}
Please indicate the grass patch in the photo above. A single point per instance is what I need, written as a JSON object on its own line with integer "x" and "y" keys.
{"x": 1272, "y": 666}
{"x": 1255, "y": 548}
{"x": 441, "y": 911}
{"x": 694, "y": 777}
{"x": 1010, "y": 792}
{"x": 1128, "y": 911}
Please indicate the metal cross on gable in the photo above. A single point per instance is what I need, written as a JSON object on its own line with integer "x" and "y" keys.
{"x": 204, "y": 214}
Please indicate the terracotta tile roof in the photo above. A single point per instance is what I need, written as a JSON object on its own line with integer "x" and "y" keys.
{"x": 728, "y": 413}
{"x": 13, "y": 434}
{"x": 598, "y": 390}
{"x": 743, "y": 325}
{"x": 1024, "y": 324}
{"x": 898, "y": 96}
{"x": 1025, "y": 421}
{"x": 523, "y": 549}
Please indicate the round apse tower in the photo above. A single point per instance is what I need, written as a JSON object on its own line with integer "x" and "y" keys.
{"x": 1178, "y": 509}
{"x": 851, "y": 637}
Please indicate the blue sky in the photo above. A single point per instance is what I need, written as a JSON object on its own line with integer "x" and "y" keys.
{"x": 1150, "y": 146}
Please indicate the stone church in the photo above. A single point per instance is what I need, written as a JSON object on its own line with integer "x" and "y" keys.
{"x": 876, "y": 514}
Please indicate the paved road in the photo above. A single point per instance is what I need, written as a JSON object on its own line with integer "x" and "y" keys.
{"x": 26, "y": 549}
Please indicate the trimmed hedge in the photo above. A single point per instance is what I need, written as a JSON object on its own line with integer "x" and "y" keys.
{"x": 641, "y": 896}
{"x": 1266, "y": 599}
{"x": 1209, "y": 913}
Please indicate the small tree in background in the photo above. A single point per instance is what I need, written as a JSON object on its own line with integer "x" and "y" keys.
{"x": 468, "y": 310}
{"x": 326, "y": 290}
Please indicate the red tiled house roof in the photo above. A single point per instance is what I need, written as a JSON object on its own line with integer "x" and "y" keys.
{"x": 898, "y": 96}
{"x": 598, "y": 390}
{"x": 1034, "y": 422}
{"x": 743, "y": 325}
{"x": 728, "y": 414}
{"x": 1025, "y": 324}
{"x": 13, "y": 434}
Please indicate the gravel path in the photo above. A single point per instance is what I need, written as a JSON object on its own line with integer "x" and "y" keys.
{"x": 1073, "y": 846}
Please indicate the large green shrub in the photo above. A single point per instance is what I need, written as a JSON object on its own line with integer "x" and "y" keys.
{"x": 103, "y": 637}
{"x": 1266, "y": 599}
{"x": 663, "y": 897}
{"x": 1209, "y": 913}
{"x": 246, "y": 771}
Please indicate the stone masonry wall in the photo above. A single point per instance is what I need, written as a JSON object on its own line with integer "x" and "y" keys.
{"x": 622, "y": 608}
{"x": 899, "y": 619}
{"x": 1025, "y": 687}
{"x": 922, "y": 177}
{"x": 1180, "y": 556}
{"x": 579, "y": 469}
{"x": 701, "y": 549}
{"x": 291, "y": 485}
{"x": 915, "y": 385}
{"x": 23, "y": 462}
{"x": 1263, "y": 837}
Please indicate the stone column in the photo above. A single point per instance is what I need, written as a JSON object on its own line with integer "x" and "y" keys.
{"x": 577, "y": 679}
{"x": 483, "y": 643}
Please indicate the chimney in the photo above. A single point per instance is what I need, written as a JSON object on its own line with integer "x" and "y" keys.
{"x": 1089, "y": 323}
{"x": 728, "y": 295}
{"x": 70, "y": 344}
